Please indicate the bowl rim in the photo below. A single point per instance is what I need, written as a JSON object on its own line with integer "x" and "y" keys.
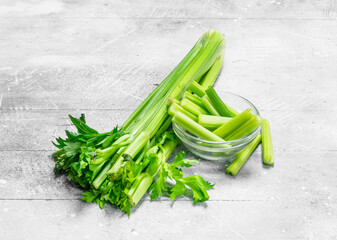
{"x": 236, "y": 141}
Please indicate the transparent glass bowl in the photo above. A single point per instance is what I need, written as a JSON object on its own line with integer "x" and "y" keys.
{"x": 219, "y": 150}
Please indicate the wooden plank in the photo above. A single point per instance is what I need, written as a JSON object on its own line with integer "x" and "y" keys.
{"x": 299, "y": 176}
{"x": 35, "y": 130}
{"x": 174, "y": 9}
{"x": 162, "y": 220}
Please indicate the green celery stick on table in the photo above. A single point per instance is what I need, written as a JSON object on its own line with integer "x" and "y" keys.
{"x": 267, "y": 147}
{"x": 243, "y": 156}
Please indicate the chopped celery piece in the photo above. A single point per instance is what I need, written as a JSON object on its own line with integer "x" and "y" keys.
{"x": 175, "y": 108}
{"x": 232, "y": 110}
{"x": 217, "y": 103}
{"x": 193, "y": 98}
{"x": 208, "y": 105}
{"x": 267, "y": 147}
{"x": 173, "y": 100}
{"x": 234, "y": 123}
{"x": 243, "y": 156}
{"x": 195, "y": 128}
{"x": 212, "y": 122}
{"x": 213, "y": 73}
{"x": 196, "y": 89}
{"x": 192, "y": 107}
{"x": 245, "y": 129}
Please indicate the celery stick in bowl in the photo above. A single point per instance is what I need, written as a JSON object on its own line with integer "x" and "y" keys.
{"x": 216, "y": 150}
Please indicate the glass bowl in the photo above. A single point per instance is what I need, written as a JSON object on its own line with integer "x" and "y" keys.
{"x": 219, "y": 150}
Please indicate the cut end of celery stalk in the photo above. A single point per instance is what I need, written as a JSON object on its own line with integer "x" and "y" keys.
{"x": 197, "y": 89}
{"x": 267, "y": 147}
{"x": 193, "y": 98}
{"x": 248, "y": 127}
{"x": 192, "y": 107}
{"x": 227, "y": 128}
{"x": 174, "y": 108}
{"x": 243, "y": 156}
{"x": 195, "y": 128}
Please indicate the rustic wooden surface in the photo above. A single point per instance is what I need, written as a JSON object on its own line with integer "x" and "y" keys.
{"x": 102, "y": 58}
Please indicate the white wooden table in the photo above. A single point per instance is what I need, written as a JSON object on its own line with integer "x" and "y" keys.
{"x": 102, "y": 58}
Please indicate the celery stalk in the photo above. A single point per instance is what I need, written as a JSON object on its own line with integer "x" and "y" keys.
{"x": 200, "y": 92}
{"x": 193, "y": 98}
{"x": 194, "y": 128}
{"x": 234, "y": 123}
{"x": 208, "y": 105}
{"x": 132, "y": 150}
{"x": 232, "y": 110}
{"x": 212, "y": 122}
{"x": 245, "y": 129}
{"x": 196, "y": 89}
{"x": 139, "y": 188}
{"x": 217, "y": 103}
{"x": 243, "y": 156}
{"x": 213, "y": 73}
{"x": 192, "y": 107}
{"x": 211, "y": 47}
{"x": 175, "y": 108}
{"x": 267, "y": 147}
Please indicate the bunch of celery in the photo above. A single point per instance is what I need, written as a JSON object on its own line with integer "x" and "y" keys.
{"x": 205, "y": 115}
{"x": 122, "y": 165}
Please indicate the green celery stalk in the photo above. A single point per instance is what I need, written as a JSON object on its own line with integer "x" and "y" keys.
{"x": 200, "y": 92}
{"x": 144, "y": 180}
{"x": 245, "y": 129}
{"x": 160, "y": 91}
{"x": 197, "y": 89}
{"x": 193, "y": 98}
{"x": 213, "y": 73}
{"x": 173, "y": 100}
{"x": 212, "y": 122}
{"x": 208, "y": 105}
{"x": 217, "y": 103}
{"x": 243, "y": 156}
{"x": 267, "y": 147}
{"x": 232, "y": 110}
{"x": 175, "y": 108}
{"x": 213, "y": 45}
{"x": 103, "y": 174}
{"x": 132, "y": 150}
{"x": 228, "y": 127}
{"x": 195, "y": 128}
{"x": 163, "y": 127}
{"x": 192, "y": 107}
{"x": 141, "y": 184}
